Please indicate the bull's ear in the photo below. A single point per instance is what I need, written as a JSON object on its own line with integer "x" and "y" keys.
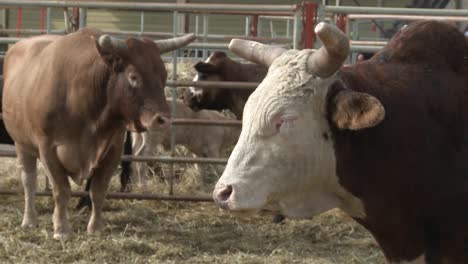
{"x": 204, "y": 67}
{"x": 110, "y": 49}
{"x": 354, "y": 111}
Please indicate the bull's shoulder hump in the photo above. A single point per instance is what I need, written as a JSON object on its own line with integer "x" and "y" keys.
{"x": 32, "y": 45}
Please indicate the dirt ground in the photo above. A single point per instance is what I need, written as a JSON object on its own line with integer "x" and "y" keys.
{"x": 176, "y": 232}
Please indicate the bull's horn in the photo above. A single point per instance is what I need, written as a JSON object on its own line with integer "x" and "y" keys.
{"x": 329, "y": 58}
{"x": 167, "y": 45}
{"x": 255, "y": 52}
{"x": 111, "y": 44}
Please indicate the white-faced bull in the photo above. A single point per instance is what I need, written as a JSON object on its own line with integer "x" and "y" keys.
{"x": 384, "y": 140}
{"x": 68, "y": 100}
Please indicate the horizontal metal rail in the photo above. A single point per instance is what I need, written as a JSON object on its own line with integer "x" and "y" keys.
{"x": 152, "y": 35}
{"x": 32, "y": 31}
{"x": 365, "y": 48}
{"x": 8, "y": 40}
{"x": 205, "y": 122}
{"x": 211, "y": 46}
{"x": 277, "y": 17}
{"x": 406, "y": 17}
{"x": 368, "y": 43}
{"x": 395, "y": 11}
{"x": 203, "y": 37}
{"x": 164, "y": 159}
{"x": 128, "y": 196}
{"x": 186, "y": 122}
{"x": 168, "y": 159}
{"x": 217, "y": 85}
{"x": 162, "y": 7}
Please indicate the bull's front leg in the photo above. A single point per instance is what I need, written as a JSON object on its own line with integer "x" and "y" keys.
{"x": 28, "y": 171}
{"x": 60, "y": 190}
{"x": 99, "y": 185}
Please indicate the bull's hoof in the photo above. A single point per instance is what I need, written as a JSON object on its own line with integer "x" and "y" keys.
{"x": 278, "y": 219}
{"x": 62, "y": 235}
{"x": 29, "y": 222}
{"x": 95, "y": 227}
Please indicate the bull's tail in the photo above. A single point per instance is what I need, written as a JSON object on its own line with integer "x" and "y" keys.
{"x": 126, "y": 165}
{"x": 85, "y": 201}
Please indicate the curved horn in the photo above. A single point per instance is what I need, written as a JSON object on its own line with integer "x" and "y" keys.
{"x": 167, "y": 45}
{"x": 111, "y": 44}
{"x": 329, "y": 58}
{"x": 255, "y": 51}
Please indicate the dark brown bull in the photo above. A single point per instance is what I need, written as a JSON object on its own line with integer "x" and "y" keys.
{"x": 219, "y": 67}
{"x": 68, "y": 100}
{"x": 383, "y": 140}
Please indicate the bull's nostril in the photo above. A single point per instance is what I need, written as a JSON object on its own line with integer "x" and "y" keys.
{"x": 160, "y": 120}
{"x": 225, "y": 193}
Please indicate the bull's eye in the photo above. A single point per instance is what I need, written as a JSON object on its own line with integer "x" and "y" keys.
{"x": 285, "y": 123}
{"x": 279, "y": 124}
{"x": 133, "y": 80}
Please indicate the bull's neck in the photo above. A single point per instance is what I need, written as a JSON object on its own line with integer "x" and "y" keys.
{"x": 101, "y": 110}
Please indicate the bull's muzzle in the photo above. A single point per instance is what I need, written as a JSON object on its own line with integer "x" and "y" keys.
{"x": 157, "y": 121}
{"x": 222, "y": 195}
{"x": 192, "y": 100}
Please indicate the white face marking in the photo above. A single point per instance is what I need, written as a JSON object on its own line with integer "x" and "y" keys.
{"x": 419, "y": 260}
{"x": 195, "y": 91}
{"x": 198, "y": 91}
{"x": 282, "y": 161}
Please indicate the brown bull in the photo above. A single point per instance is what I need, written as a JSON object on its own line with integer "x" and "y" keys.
{"x": 219, "y": 67}
{"x": 383, "y": 140}
{"x": 68, "y": 99}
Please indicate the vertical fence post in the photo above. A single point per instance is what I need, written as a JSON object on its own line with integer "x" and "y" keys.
{"x": 142, "y": 22}
{"x": 43, "y": 15}
{"x": 310, "y": 14}
{"x": 272, "y": 29}
{"x": 297, "y": 27}
{"x": 254, "y": 26}
{"x": 76, "y": 19}
{"x": 259, "y": 26}
{"x": 354, "y": 36}
{"x": 247, "y": 25}
{"x": 67, "y": 22}
{"x": 6, "y": 18}
{"x": 205, "y": 34}
{"x": 288, "y": 28}
{"x": 173, "y": 108}
{"x": 197, "y": 31}
{"x": 341, "y": 21}
{"x": 83, "y": 17}
{"x": 320, "y": 18}
{"x": 48, "y": 19}
{"x": 19, "y": 21}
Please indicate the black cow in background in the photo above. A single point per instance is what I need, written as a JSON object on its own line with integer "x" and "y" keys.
{"x": 4, "y": 136}
{"x": 388, "y": 32}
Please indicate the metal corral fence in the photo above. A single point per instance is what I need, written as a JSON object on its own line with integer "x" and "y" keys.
{"x": 303, "y": 18}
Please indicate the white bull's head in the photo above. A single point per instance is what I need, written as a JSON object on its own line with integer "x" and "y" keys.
{"x": 284, "y": 160}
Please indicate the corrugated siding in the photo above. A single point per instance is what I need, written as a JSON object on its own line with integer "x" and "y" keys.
{"x": 162, "y": 22}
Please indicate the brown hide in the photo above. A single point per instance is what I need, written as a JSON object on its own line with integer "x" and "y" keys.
{"x": 411, "y": 170}
{"x": 68, "y": 99}
{"x": 221, "y": 68}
